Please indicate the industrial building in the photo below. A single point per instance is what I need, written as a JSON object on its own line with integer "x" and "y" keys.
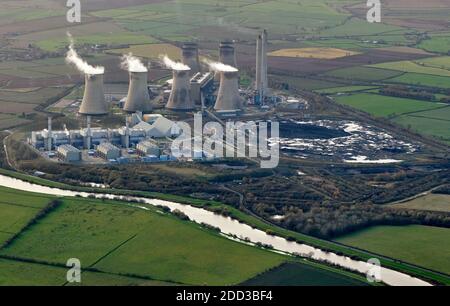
{"x": 201, "y": 85}
{"x": 108, "y": 151}
{"x": 148, "y": 148}
{"x": 69, "y": 153}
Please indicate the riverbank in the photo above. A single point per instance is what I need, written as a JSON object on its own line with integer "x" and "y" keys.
{"x": 258, "y": 227}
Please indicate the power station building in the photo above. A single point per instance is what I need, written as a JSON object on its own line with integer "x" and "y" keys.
{"x": 69, "y": 153}
{"x": 108, "y": 151}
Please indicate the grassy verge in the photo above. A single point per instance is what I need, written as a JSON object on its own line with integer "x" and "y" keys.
{"x": 337, "y": 248}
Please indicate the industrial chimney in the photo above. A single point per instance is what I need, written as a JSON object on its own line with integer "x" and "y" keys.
{"x": 190, "y": 57}
{"x": 227, "y": 56}
{"x": 180, "y": 96}
{"x": 138, "y": 99}
{"x": 228, "y": 97}
{"x": 261, "y": 65}
{"x": 93, "y": 103}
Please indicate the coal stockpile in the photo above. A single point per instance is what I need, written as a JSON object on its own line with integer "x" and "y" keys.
{"x": 292, "y": 129}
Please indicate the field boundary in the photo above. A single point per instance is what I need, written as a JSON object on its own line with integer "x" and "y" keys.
{"x": 325, "y": 245}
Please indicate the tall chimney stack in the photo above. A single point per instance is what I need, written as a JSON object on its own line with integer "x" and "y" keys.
{"x": 94, "y": 103}
{"x": 264, "y": 61}
{"x": 228, "y": 97}
{"x": 261, "y": 83}
{"x": 180, "y": 96}
{"x": 190, "y": 57}
{"x": 138, "y": 99}
{"x": 50, "y": 134}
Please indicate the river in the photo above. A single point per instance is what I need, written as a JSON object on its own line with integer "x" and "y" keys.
{"x": 232, "y": 227}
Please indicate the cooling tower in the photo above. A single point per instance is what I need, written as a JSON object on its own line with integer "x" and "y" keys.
{"x": 180, "y": 96}
{"x": 228, "y": 97}
{"x": 138, "y": 99}
{"x": 94, "y": 103}
{"x": 227, "y": 56}
{"x": 190, "y": 57}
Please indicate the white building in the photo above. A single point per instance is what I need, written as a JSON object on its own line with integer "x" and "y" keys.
{"x": 108, "y": 151}
{"x": 69, "y": 153}
{"x": 147, "y": 148}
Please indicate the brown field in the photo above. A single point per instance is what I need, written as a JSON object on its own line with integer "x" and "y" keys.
{"x": 317, "y": 53}
{"x": 16, "y": 108}
{"x": 307, "y": 66}
{"x": 152, "y": 51}
{"x": 408, "y": 13}
{"x": 39, "y": 25}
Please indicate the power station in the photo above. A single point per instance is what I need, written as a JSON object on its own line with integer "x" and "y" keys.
{"x": 147, "y": 133}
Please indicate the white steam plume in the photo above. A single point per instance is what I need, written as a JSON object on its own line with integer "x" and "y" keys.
{"x": 219, "y": 67}
{"x": 174, "y": 65}
{"x": 132, "y": 63}
{"x": 73, "y": 58}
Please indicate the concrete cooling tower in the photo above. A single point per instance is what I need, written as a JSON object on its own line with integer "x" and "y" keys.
{"x": 94, "y": 103}
{"x": 138, "y": 99}
{"x": 190, "y": 57}
{"x": 227, "y": 56}
{"x": 180, "y": 96}
{"x": 228, "y": 97}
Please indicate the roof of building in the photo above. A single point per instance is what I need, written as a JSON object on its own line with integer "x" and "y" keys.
{"x": 107, "y": 146}
{"x": 66, "y": 148}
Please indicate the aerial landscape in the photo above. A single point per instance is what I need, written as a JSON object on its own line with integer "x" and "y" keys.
{"x": 239, "y": 143}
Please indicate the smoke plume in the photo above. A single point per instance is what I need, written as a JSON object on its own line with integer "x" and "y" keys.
{"x": 174, "y": 65}
{"x": 73, "y": 58}
{"x": 220, "y": 67}
{"x": 132, "y": 63}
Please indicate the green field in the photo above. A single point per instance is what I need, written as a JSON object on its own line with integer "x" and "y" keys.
{"x": 383, "y": 106}
{"x": 363, "y": 74}
{"x": 120, "y": 239}
{"x": 117, "y": 239}
{"x": 421, "y": 245}
{"x": 414, "y": 67}
{"x": 438, "y": 43}
{"x": 430, "y": 202}
{"x": 344, "y": 89}
{"x": 17, "y": 273}
{"x": 16, "y": 209}
{"x": 427, "y": 126}
{"x": 110, "y": 39}
{"x": 294, "y": 274}
{"x": 254, "y": 222}
{"x": 422, "y": 80}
